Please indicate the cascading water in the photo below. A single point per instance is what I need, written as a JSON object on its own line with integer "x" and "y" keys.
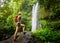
{"x": 2, "y": 3}
{"x": 34, "y": 16}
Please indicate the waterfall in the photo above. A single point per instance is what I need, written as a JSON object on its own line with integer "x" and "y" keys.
{"x": 2, "y": 3}
{"x": 34, "y": 16}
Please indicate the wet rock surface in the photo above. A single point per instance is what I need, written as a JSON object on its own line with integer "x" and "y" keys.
{"x": 25, "y": 37}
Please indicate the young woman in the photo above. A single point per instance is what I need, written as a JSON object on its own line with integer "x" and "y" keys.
{"x": 19, "y": 25}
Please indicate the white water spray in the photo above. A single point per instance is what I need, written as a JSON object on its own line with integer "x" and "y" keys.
{"x": 2, "y": 3}
{"x": 34, "y": 16}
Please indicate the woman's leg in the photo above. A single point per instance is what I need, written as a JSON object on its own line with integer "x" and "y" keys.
{"x": 15, "y": 34}
{"x": 23, "y": 27}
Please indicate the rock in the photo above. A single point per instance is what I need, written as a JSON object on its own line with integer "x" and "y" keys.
{"x": 21, "y": 37}
{"x": 25, "y": 37}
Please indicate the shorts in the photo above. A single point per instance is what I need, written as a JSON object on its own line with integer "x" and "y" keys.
{"x": 17, "y": 24}
{"x": 20, "y": 28}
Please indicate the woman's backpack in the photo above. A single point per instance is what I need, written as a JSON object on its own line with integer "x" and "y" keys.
{"x": 16, "y": 19}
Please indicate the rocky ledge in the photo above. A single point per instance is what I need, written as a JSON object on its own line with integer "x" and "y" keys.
{"x": 25, "y": 37}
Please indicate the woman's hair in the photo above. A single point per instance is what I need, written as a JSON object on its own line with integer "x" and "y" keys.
{"x": 19, "y": 13}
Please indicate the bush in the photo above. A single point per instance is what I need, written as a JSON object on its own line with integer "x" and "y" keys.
{"x": 47, "y": 35}
{"x": 50, "y": 24}
{"x": 6, "y": 33}
{"x": 43, "y": 23}
{"x": 54, "y": 24}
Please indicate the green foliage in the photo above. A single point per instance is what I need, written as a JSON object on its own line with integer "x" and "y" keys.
{"x": 6, "y": 32}
{"x": 51, "y": 9}
{"x": 43, "y": 23}
{"x": 47, "y": 35}
{"x": 49, "y": 3}
{"x": 54, "y": 24}
{"x": 50, "y": 15}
